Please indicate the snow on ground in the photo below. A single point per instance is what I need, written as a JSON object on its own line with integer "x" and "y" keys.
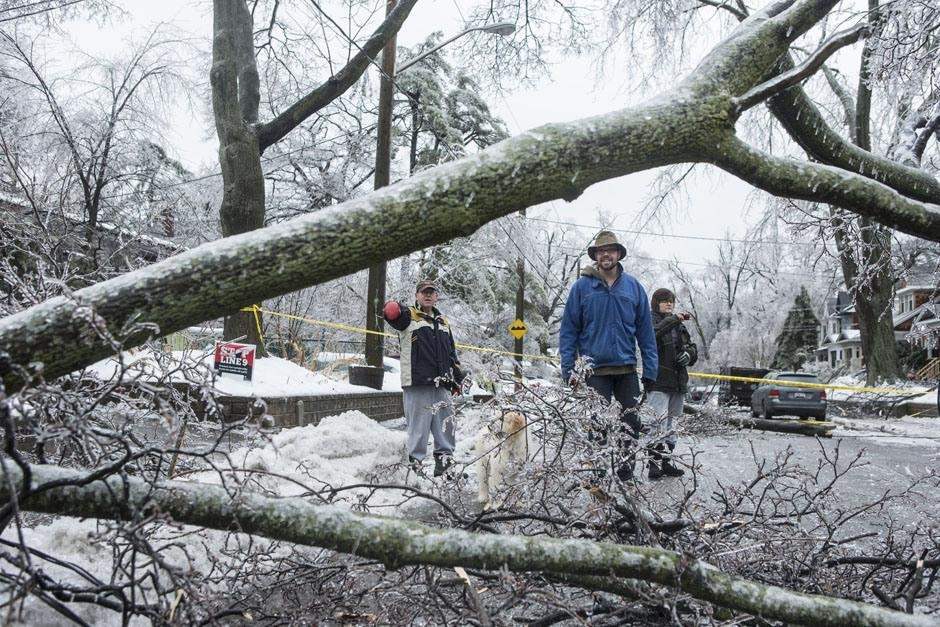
{"x": 904, "y": 389}
{"x": 341, "y": 450}
{"x": 905, "y": 431}
{"x": 271, "y": 376}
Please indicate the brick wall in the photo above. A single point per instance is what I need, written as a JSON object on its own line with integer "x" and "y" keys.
{"x": 303, "y": 410}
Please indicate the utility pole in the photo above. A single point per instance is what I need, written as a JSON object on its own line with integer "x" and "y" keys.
{"x": 375, "y": 293}
{"x": 519, "y": 344}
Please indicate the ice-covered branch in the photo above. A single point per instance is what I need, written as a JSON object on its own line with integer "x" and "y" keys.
{"x": 827, "y": 184}
{"x": 397, "y": 543}
{"x": 804, "y": 70}
{"x": 271, "y": 132}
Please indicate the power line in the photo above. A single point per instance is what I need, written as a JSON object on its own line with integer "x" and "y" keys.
{"x": 597, "y": 227}
{"x": 693, "y": 263}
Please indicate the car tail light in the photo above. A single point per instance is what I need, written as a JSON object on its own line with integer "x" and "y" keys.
{"x": 774, "y": 393}
{"x": 822, "y": 394}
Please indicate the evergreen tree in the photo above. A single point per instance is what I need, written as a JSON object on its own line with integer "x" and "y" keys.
{"x": 799, "y": 336}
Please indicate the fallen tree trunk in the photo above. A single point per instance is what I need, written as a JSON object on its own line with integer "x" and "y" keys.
{"x": 799, "y": 427}
{"x": 397, "y": 543}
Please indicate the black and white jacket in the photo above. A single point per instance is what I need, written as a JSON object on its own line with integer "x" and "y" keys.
{"x": 428, "y": 352}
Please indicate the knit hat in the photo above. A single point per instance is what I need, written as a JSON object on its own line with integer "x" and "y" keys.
{"x": 605, "y": 238}
{"x": 662, "y": 295}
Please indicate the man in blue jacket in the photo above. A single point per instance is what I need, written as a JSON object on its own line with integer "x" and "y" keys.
{"x": 606, "y": 316}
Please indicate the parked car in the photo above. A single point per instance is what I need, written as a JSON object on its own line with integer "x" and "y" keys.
{"x": 739, "y": 392}
{"x": 776, "y": 399}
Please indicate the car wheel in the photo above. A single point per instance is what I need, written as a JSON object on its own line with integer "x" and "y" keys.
{"x": 767, "y": 413}
{"x": 821, "y": 416}
{"x": 801, "y": 417}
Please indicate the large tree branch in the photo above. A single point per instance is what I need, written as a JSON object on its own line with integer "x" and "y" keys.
{"x": 820, "y": 183}
{"x": 271, "y": 132}
{"x": 397, "y": 543}
{"x": 803, "y": 71}
{"x": 693, "y": 123}
{"x": 806, "y": 125}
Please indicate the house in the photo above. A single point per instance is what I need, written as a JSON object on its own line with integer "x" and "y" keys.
{"x": 840, "y": 340}
{"x": 124, "y": 248}
{"x": 916, "y": 317}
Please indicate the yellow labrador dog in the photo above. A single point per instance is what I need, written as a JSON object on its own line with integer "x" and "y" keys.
{"x": 496, "y": 449}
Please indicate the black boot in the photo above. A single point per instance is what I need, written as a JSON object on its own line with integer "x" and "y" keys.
{"x": 442, "y": 463}
{"x": 625, "y": 470}
{"x": 669, "y": 469}
{"x": 656, "y": 462}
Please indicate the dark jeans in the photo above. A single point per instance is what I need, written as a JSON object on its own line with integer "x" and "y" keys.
{"x": 626, "y": 389}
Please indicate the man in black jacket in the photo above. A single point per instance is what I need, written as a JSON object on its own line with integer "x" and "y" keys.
{"x": 667, "y": 396}
{"x": 430, "y": 373}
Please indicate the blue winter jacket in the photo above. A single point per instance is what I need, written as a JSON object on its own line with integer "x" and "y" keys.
{"x": 606, "y": 324}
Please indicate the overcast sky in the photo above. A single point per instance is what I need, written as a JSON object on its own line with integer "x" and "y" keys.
{"x": 715, "y": 201}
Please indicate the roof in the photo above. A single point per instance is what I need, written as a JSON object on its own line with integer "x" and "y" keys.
{"x": 915, "y": 288}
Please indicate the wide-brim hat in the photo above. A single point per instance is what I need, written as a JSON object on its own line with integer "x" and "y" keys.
{"x": 605, "y": 238}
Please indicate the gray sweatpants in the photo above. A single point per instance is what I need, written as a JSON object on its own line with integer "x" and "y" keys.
{"x": 429, "y": 409}
{"x": 667, "y": 407}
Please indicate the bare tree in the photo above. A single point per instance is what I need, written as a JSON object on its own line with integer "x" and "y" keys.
{"x": 236, "y": 94}
{"x": 96, "y": 128}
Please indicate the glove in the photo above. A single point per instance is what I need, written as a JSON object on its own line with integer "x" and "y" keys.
{"x": 683, "y": 359}
{"x": 392, "y": 310}
{"x": 570, "y": 380}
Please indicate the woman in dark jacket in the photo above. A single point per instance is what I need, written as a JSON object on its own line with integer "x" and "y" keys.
{"x": 667, "y": 396}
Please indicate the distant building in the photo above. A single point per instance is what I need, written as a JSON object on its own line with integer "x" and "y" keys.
{"x": 916, "y": 315}
{"x": 122, "y": 247}
{"x": 840, "y": 340}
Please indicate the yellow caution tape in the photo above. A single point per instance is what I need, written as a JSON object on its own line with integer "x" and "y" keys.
{"x": 799, "y": 384}
{"x": 699, "y": 375}
{"x": 346, "y": 327}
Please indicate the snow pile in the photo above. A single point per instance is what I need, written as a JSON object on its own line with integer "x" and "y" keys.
{"x": 340, "y": 450}
{"x": 907, "y": 431}
{"x": 904, "y": 389}
{"x": 271, "y": 376}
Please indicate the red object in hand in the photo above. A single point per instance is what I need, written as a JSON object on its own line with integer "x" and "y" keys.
{"x": 392, "y": 310}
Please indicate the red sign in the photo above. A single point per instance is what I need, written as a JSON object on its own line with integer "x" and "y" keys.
{"x": 234, "y": 358}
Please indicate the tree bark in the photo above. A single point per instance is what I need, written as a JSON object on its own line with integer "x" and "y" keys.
{"x": 234, "y": 96}
{"x": 693, "y": 123}
{"x": 396, "y": 543}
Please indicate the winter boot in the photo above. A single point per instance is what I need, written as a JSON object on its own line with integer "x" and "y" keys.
{"x": 669, "y": 469}
{"x": 414, "y": 464}
{"x": 656, "y": 463}
{"x": 625, "y": 470}
{"x": 442, "y": 463}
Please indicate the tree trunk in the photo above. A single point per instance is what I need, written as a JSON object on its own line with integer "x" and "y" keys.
{"x": 234, "y": 96}
{"x": 873, "y": 298}
{"x": 396, "y": 543}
